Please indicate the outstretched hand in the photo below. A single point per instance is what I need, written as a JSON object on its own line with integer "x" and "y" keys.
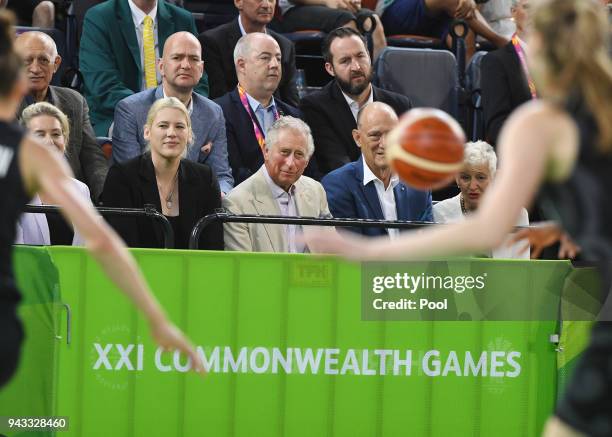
{"x": 169, "y": 337}
{"x": 328, "y": 241}
{"x": 542, "y": 235}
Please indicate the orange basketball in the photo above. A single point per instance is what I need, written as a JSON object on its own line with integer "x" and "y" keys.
{"x": 426, "y": 148}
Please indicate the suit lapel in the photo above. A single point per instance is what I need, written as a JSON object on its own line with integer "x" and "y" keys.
{"x": 518, "y": 72}
{"x": 189, "y": 198}
{"x": 401, "y": 202}
{"x": 265, "y": 205}
{"x": 345, "y": 122}
{"x": 126, "y": 24}
{"x": 150, "y": 193}
{"x": 246, "y": 127}
{"x": 73, "y": 150}
{"x": 369, "y": 191}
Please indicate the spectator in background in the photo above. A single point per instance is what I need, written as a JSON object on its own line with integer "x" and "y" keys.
{"x": 498, "y": 15}
{"x": 277, "y": 188}
{"x": 480, "y": 165}
{"x": 368, "y": 188}
{"x": 505, "y": 79}
{"x": 83, "y": 153}
{"x": 51, "y": 126}
{"x": 251, "y": 108}
{"x": 35, "y": 13}
{"x": 218, "y": 47}
{"x": 332, "y": 111}
{"x": 184, "y": 191}
{"x": 327, "y": 15}
{"x": 181, "y": 68}
{"x": 120, "y": 45}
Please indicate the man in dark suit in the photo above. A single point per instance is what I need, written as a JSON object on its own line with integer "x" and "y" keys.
{"x": 112, "y": 52}
{"x": 504, "y": 83}
{"x": 331, "y": 112}
{"x": 368, "y": 188}
{"x": 86, "y": 159}
{"x": 218, "y": 49}
{"x": 250, "y": 112}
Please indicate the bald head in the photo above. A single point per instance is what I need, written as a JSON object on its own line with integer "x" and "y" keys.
{"x": 39, "y": 54}
{"x": 180, "y": 39}
{"x": 250, "y": 42}
{"x": 373, "y": 111}
{"x": 181, "y": 65}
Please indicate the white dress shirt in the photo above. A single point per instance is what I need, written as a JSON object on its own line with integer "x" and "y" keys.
{"x": 138, "y": 17}
{"x": 386, "y": 196}
{"x": 354, "y": 106}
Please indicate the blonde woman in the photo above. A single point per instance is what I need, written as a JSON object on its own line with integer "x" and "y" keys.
{"x": 184, "y": 191}
{"x": 51, "y": 126}
{"x": 563, "y": 140}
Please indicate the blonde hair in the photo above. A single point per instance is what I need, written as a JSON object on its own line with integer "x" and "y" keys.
{"x": 574, "y": 57}
{"x": 44, "y": 108}
{"x": 173, "y": 103}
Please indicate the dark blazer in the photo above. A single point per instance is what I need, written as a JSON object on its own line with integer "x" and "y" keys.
{"x": 218, "y": 54}
{"x": 349, "y": 198}
{"x": 85, "y": 156}
{"x": 332, "y": 123}
{"x": 132, "y": 184}
{"x": 243, "y": 150}
{"x": 504, "y": 88}
{"x": 109, "y": 57}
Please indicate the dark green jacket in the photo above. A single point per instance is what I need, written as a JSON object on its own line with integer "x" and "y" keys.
{"x": 110, "y": 58}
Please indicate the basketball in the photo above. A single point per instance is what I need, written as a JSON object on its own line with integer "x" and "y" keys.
{"x": 426, "y": 148}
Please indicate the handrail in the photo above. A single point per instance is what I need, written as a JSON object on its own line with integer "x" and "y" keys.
{"x": 147, "y": 211}
{"x": 308, "y": 221}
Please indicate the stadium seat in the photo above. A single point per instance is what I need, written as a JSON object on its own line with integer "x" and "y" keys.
{"x": 476, "y": 117}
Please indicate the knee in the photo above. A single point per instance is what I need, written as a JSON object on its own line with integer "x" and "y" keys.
{"x": 45, "y": 11}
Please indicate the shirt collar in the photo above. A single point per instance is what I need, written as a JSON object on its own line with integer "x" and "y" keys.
{"x": 189, "y": 106}
{"x": 277, "y": 191}
{"x": 353, "y": 103}
{"x": 368, "y": 176}
{"x": 29, "y": 100}
{"x": 254, "y": 104}
{"x": 138, "y": 15}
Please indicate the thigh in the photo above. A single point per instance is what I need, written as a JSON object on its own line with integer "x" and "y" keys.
{"x": 315, "y": 17}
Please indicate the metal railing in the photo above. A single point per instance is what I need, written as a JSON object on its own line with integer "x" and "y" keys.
{"x": 225, "y": 217}
{"x": 147, "y": 211}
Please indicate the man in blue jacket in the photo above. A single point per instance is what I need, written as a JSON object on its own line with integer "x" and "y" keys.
{"x": 368, "y": 188}
{"x": 120, "y": 44}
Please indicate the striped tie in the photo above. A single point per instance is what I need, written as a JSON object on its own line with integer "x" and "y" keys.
{"x": 149, "y": 53}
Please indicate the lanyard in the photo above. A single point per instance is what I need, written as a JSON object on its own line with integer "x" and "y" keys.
{"x": 521, "y": 54}
{"x": 261, "y": 139}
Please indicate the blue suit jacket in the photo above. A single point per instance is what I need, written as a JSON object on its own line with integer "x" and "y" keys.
{"x": 207, "y": 122}
{"x": 349, "y": 198}
{"x": 109, "y": 57}
{"x": 245, "y": 156}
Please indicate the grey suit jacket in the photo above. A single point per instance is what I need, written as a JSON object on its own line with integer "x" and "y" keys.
{"x": 208, "y": 124}
{"x": 84, "y": 155}
{"x": 33, "y": 229}
{"x": 253, "y": 196}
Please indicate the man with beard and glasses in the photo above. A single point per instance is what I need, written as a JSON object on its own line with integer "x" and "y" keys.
{"x": 332, "y": 112}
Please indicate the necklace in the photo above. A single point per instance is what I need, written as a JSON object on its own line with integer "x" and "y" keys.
{"x": 169, "y": 197}
{"x": 462, "y": 202}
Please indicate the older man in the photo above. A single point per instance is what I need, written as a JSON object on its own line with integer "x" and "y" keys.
{"x": 219, "y": 43}
{"x": 181, "y": 68}
{"x": 86, "y": 159}
{"x": 368, "y": 188}
{"x": 251, "y": 108}
{"x": 332, "y": 111}
{"x": 277, "y": 188}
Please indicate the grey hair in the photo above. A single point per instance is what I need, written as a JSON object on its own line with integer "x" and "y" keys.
{"x": 244, "y": 44}
{"x": 480, "y": 153}
{"x": 295, "y": 124}
{"x": 43, "y": 36}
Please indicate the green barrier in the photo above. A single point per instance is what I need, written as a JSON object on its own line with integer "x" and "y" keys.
{"x": 287, "y": 351}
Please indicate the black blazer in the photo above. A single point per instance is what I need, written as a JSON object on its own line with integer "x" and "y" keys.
{"x": 332, "y": 123}
{"x": 218, "y": 54}
{"x": 504, "y": 88}
{"x": 132, "y": 184}
{"x": 243, "y": 150}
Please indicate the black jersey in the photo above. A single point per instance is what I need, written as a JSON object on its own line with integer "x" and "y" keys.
{"x": 12, "y": 200}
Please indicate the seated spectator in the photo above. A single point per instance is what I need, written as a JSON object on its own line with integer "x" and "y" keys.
{"x": 39, "y": 54}
{"x": 35, "y": 13}
{"x": 505, "y": 80}
{"x": 120, "y": 44}
{"x": 181, "y": 68}
{"x": 368, "y": 188}
{"x": 327, "y": 15}
{"x": 51, "y": 126}
{"x": 184, "y": 191}
{"x": 332, "y": 111}
{"x": 278, "y": 188}
{"x": 250, "y": 108}
{"x": 498, "y": 15}
{"x": 433, "y": 18}
{"x": 218, "y": 46}
{"x": 480, "y": 165}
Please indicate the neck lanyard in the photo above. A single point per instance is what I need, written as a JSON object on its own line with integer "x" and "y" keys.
{"x": 261, "y": 139}
{"x": 521, "y": 54}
